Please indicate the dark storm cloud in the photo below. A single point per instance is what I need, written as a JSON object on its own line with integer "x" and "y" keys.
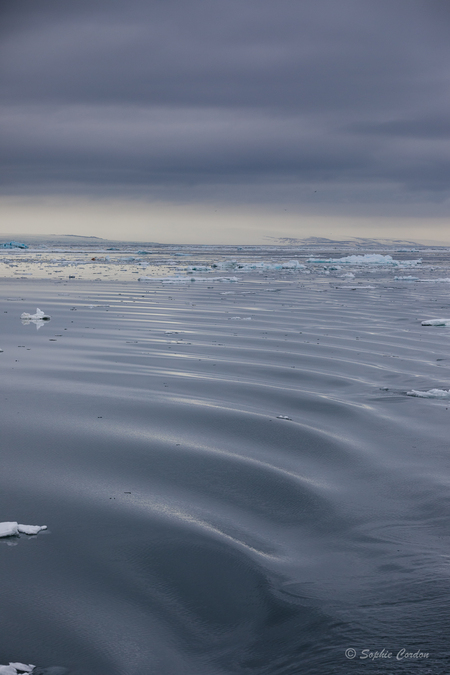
{"x": 147, "y": 93}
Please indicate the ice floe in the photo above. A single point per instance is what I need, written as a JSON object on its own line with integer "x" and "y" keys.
{"x": 39, "y": 315}
{"x": 431, "y": 393}
{"x": 178, "y": 279}
{"x": 367, "y": 259}
{"x": 436, "y": 322}
{"x": 38, "y": 319}
{"x": 251, "y": 266}
{"x": 16, "y": 668}
{"x": 11, "y": 529}
{"x": 445, "y": 280}
{"x": 13, "y": 244}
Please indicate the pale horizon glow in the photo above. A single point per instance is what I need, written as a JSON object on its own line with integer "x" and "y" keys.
{"x": 168, "y": 223}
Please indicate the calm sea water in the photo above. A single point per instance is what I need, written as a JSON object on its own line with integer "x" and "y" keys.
{"x": 234, "y": 479}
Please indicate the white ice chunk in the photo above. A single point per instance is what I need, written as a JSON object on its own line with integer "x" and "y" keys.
{"x": 431, "y": 393}
{"x": 10, "y": 529}
{"x": 406, "y": 278}
{"x": 249, "y": 266}
{"x": 284, "y": 417}
{"x": 39, "y": 315}
{"x": 368, "y": 259}
{"x": 436, "y": 322}
{"x": 15, "y": 668}
{"x": 186, "y": 279}
{"x": 31, "y": 529}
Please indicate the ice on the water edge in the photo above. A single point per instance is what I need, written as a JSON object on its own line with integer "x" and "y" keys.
{"x": 182, "y": 280}
{"x": 11, "y": 529}
{"x": 436, "y": 322}
{"x": 368, "y": 259}
{"x": 431, "y": 393}
{"x": 16, "y": 668}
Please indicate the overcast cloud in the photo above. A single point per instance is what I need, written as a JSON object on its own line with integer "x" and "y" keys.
{"x": 306, "y": 101}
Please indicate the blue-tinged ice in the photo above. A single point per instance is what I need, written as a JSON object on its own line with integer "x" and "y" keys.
{"x": 13, "y": 244}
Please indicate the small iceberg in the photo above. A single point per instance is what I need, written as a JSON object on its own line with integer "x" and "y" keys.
{"x": 436, "y": 322}
{"x": 13, "y": 244}
{"x": 431, "y": 393}
{"x": 13, "y": 529}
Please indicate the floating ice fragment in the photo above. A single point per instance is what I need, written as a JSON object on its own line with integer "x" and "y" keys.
{"x": 186, "y": 279}
{"x": 284, "y": 417}
{"x": 436, "y": 322}
{"x": 367, "y": 259}
{"x": 249, "y": 266}
{"x": 39, "y": 315}
{"x": 240, "y": 318}
{"x": 431, "y": 393}
{"x": 198, "y": 268}
{"x": 13, "y": 244}
{"x": 11, "y": 529}
{"x": 354, "y": 288}
{"x": 16, "y": 669}
{"x": 406, "y": 278}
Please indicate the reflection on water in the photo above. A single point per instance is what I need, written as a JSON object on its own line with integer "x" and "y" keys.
{"x": 226, "y": 497}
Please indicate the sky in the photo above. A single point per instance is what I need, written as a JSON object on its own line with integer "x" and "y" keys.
{"x": 225, "y": 121}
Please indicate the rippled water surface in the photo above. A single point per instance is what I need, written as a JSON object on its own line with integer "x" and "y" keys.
{"x": 234, "y": 479}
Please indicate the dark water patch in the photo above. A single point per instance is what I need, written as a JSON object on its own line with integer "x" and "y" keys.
{"x": 190, "y": 529}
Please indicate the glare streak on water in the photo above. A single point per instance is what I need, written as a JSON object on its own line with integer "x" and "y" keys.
{"x": 225, "y": 497}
